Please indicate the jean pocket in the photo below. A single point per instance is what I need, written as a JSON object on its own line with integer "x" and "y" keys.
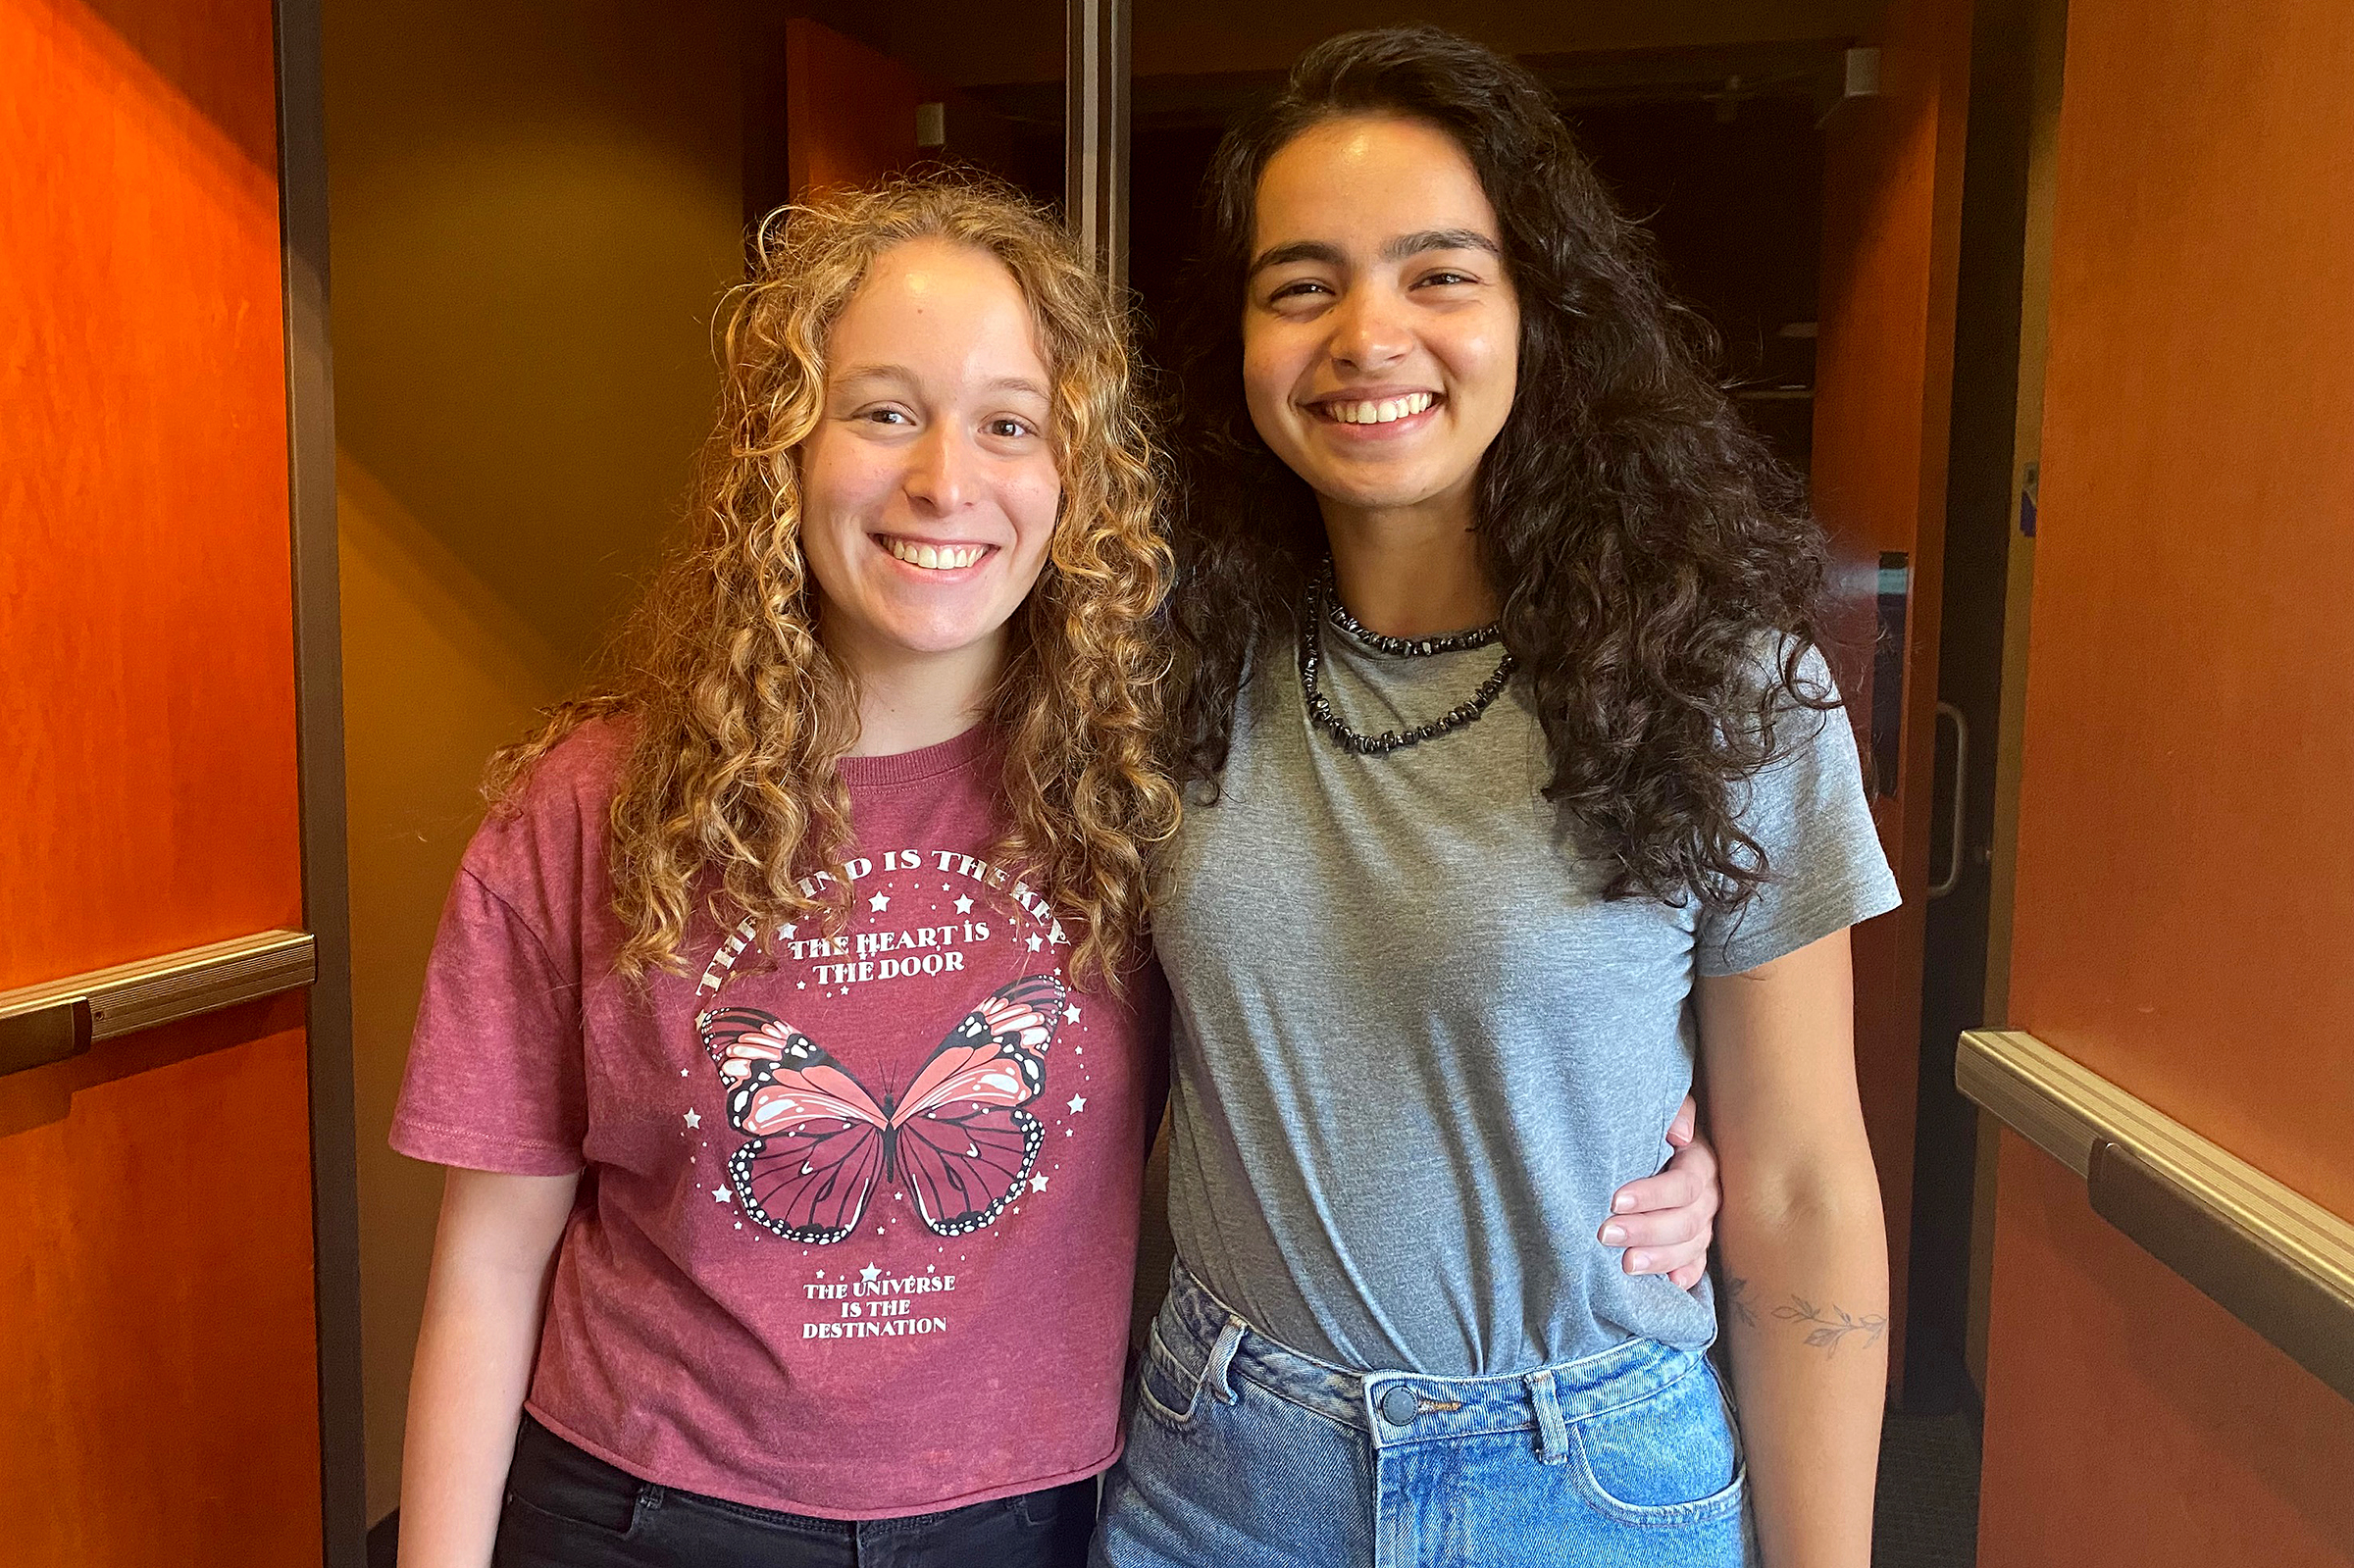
{"x": 527, "y": 1517}
{"x": 1056, "y": 1506}
{"x": 1164, "y": 1387}
{"x": 552, "y": 1481}
{"x": 1672, "y": 1458}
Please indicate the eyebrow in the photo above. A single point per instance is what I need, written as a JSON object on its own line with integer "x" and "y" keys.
{"x": 1396, "y": 250}
{"x": 877, "y": 373}
{"x": 906, "y": 377}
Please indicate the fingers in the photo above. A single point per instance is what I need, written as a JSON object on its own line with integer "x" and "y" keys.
{"x": 1677, "y": 1187}
{"x": 1698, "y": 1161}
{"x": 1688, "y": 1258}
{"x": 1686, "y": 1125}
{"x": 1661, "y": 1227}
{"x": 1666, "y": 1222}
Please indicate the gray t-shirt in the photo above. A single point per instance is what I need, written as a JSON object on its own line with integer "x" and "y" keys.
{"x": 1416, "y": 1051}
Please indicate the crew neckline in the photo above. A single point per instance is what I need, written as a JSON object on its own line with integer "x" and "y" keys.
{"x": 926, "y": 762}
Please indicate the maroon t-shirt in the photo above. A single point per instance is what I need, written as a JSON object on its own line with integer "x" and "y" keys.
{"x": 856, "y": 1230}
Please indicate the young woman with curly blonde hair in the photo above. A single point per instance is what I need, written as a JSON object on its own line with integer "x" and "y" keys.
{"x": 810, "y": 947}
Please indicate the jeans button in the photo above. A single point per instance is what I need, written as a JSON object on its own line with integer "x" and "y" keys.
{"x": 1398, "y": 1406}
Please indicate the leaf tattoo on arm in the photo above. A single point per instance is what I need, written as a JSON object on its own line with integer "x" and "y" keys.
{"x": 1828, "y": 1327}
{"x": 1831, "y": 1325}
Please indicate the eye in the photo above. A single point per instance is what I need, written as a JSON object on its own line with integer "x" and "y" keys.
{"x": 1301, "y": 289}
{"x": 1006, "y": 427}
{"x": 884, "y": 415}
{"x": 1447, "y": 277}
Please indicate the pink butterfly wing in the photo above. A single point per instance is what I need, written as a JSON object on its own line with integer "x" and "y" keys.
{"x": 799, "y": 1080}
{"x": 809, "y": 1187}
{"x": 963, "y": 1170}
{"x": 994, "y": 1056}
{"x": 818, "y": 1138}
{"x": 962, "y": 1140}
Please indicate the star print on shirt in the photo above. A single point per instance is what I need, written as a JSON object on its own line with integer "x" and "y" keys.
{"x": 1037, "y": 1184}
{"x": 879, "y": 903}
{"x": 1078, "y": 1103}
{"x": 693, "y": 1119}
{"x": 870, "y": 1274}
{"x": 964, "y": 905}
{"x": 1036, "y": 944}
{"x": 720, "y": 1194}
{"x": 1070, "y": 1014}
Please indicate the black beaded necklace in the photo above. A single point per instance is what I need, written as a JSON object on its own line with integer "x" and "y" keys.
{"x": 1324, "y": 604}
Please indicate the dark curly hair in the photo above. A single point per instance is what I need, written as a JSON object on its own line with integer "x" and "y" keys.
{"x": 1661, "y": 577}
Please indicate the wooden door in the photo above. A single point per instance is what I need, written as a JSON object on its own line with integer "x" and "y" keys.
{"x": 2184, "y": 911}
{"x": 1892, "y": 212}
{"x": 159, "y": 1375}
{"x": 849, "y": 109}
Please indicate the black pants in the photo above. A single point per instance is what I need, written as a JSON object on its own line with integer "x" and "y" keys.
{"x": 570, "y": 1509}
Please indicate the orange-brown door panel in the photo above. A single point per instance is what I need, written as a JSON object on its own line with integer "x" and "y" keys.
{"x": 850, "y": 110}
{"x": 151, "y": 793}
{"x": 2185, "y": 906}
{"x": 157, "y": 1340}
{"x": 160, "y": 1193}
{"x": 2130, "y": 1420}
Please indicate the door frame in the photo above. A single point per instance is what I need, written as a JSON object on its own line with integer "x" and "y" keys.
{"x": 319, "y": 752}
{"x": 1096, "y": 91}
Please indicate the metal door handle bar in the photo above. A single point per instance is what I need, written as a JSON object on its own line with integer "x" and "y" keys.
{"x": 1961, "y": 817}
{"x": 48, "y": 1022}
{"x": 2273, "y": 1258}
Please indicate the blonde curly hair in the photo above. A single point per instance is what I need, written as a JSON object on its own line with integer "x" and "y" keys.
{"x": 740, "y": 715}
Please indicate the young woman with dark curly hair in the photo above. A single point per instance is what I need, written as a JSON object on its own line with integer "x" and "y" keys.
{"x": 791, "y": 1036}
{"x": 1519, "y": 790}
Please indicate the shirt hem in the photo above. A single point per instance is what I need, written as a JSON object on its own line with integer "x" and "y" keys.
{"x": 1739, "y": 957}
{"x": 450, "y": 1145}
{"x": 780, "y": 1503}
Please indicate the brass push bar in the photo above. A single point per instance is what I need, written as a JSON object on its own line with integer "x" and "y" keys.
{"x": 48, "y": 1022}
{"x": 2273, "y": 1258}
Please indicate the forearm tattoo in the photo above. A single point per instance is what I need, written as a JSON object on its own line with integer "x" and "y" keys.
{"x": 1736, "y": 1297}
{"x": 1827, "y": 1326}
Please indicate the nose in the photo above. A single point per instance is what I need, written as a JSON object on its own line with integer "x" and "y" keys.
{"x": 1368, "y": 330}
{"x": 940, "y": 470}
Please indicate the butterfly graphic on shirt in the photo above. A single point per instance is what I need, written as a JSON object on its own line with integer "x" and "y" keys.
{"x": 957, "y": 1136}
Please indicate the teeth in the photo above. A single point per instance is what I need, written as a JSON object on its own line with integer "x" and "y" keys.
{"x": 934, "y": 557}
{"x": 1381, "y": 413}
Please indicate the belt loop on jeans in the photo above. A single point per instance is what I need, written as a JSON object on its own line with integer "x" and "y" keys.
{"x": 1553, "y": 1435}
{"x": 1221, "y": 1356}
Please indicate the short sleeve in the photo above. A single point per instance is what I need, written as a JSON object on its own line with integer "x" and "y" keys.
{"x": 496, "y": 1072}
{"x": 1824, "y": 867}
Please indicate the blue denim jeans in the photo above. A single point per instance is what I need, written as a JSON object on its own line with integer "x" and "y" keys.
{"x": 1245, "y": 1454}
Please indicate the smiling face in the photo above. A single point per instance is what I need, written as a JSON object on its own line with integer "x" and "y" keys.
{"x": 929, "y": 488}
{"x": 1380, "y": 331}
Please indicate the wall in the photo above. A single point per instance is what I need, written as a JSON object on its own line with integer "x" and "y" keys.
{"x": 536, "y": 207}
